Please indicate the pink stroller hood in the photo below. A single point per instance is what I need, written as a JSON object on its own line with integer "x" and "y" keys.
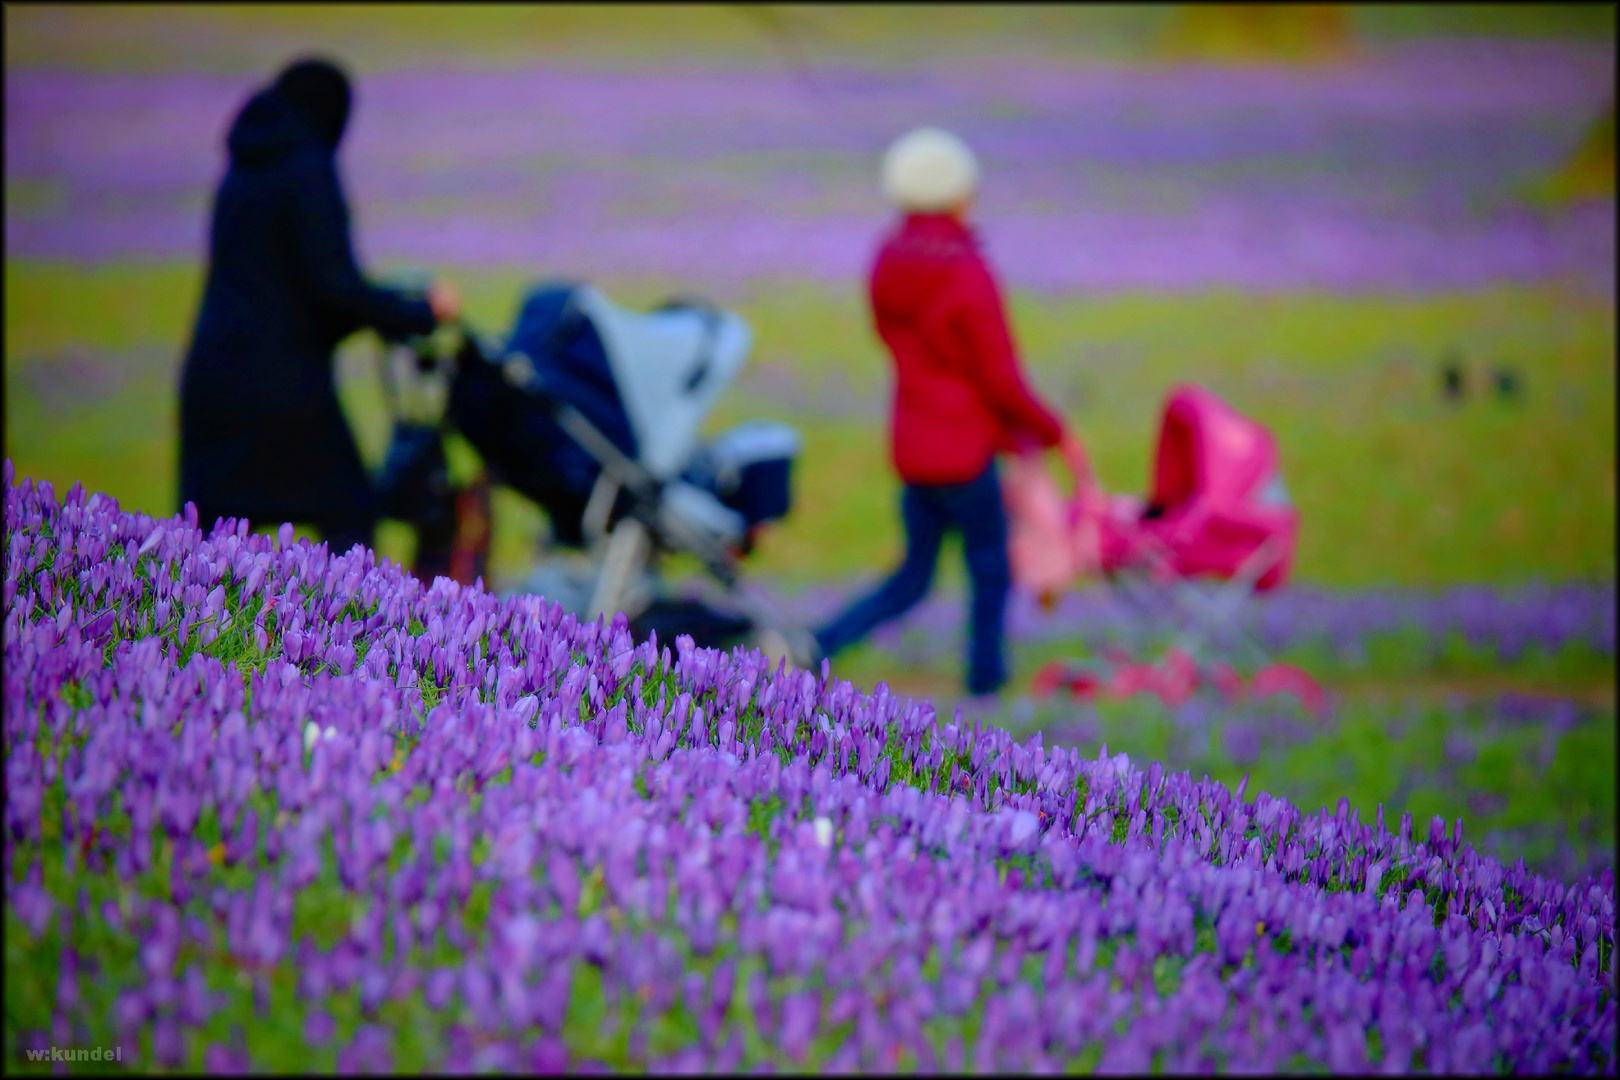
{"x": 1209, "y": 451}
{"x": 1217, "y": 497}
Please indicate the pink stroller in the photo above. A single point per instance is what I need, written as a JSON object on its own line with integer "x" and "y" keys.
{"x": 1218, "y": 510}
{"x": 1217, "y": 528}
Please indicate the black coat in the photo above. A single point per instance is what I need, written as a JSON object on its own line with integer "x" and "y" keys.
{"x": 262, "y": 434}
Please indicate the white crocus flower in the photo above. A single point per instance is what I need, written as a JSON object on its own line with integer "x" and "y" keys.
{"x": 824, "y": 831}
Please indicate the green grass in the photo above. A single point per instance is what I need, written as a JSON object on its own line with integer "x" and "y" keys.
{"x": 224, "y": 38}
{"x": 1393, "y": 484}
{"x": 213, "y": 37}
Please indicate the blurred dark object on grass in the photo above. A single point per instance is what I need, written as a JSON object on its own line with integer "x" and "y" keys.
{"x": 1509, "y": 384}
{"x": 670, "y": 617}
{"x": 1453, "y": 378}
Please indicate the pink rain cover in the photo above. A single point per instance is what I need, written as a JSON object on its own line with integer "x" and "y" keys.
{"x": 1212, "y": 465}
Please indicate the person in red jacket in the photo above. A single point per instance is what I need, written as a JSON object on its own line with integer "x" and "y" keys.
{"x": 959, "y": 399}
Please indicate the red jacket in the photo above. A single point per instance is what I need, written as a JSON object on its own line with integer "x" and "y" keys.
{"x": 959, "y": 396}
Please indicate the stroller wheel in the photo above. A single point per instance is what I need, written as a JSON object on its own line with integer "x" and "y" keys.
{"x": 469, "y": 553}
{"x": 454, "y": 541}
{"x": 707, "y": 627}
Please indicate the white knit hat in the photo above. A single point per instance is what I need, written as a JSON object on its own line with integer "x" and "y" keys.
{"x": 928, "y": 170}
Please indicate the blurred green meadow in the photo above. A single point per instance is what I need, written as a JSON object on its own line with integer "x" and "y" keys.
{"x": 1395, "y": 484}
{"x": 229, "y": 37}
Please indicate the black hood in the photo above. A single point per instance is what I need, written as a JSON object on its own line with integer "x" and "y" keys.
{"x": 321, "y": 92}
{"x": 268, "y": 128}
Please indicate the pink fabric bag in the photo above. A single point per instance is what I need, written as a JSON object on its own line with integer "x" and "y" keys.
{"x": 1052, "y": 539}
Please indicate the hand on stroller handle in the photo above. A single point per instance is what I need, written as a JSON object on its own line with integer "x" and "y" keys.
{"x": 1079, "y": 465}
{"x": 445, "y": 300}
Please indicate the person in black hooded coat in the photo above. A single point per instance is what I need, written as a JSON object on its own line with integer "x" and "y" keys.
{"x": 262, "y": 434}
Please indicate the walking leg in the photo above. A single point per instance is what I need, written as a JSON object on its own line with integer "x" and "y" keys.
{"x": 983, "y": 522}
{"x": 925, "y": 523}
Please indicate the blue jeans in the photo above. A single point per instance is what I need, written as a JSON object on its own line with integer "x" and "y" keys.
{"x": 928, "y": 511}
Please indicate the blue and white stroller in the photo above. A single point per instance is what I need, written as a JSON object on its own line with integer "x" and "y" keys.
{"x": 595, "y": 413}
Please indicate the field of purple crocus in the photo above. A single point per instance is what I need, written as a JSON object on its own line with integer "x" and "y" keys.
{"x": 272, "y": 807}
{"x": 1398, "y": 173}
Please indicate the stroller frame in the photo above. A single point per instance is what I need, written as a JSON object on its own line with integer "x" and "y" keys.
{"x": 631, "y": 540}
{"x": 630, "y": 516}
{"x": 1203, "y": 610}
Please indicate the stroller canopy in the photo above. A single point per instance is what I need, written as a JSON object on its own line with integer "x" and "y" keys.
{"x": 1210, "y": 451}
{"x": 669, "y": 366}
{"x": 645, "y": 381}
{"x": 1218, "y": 500}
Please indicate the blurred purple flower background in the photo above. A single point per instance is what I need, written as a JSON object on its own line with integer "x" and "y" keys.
{"x": 1399, "y": 172}
{"x": 1505, "y": 620}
